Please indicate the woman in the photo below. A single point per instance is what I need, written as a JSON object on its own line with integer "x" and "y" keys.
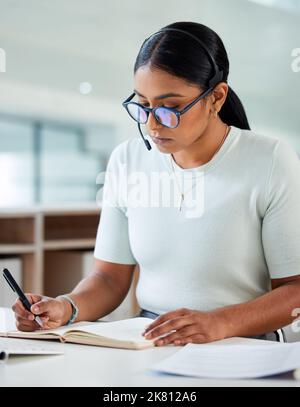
{"x": 221, "y": 265}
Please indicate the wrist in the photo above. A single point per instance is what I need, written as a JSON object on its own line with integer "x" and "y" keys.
{"x": 223, "y": 325}
{"x": 67, "y": 309}
{"x": 74, "y": 308}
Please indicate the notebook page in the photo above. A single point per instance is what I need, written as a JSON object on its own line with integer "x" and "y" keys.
{"x": 125, "y": 330}
{"x": 42, "y": 333}
{"x": 232, "y": 361}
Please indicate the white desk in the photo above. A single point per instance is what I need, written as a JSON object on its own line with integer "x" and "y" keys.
{"x": 101, "y": 367}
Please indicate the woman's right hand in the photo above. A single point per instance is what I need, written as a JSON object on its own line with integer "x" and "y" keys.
{"x": 54, "y": 312}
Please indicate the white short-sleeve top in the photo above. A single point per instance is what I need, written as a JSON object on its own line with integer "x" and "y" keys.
{"x": 238, "y": 227}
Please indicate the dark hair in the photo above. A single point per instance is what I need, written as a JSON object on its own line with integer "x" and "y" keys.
{"x": 181, "y": 56}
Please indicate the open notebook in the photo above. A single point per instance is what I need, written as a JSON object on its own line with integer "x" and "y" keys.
{"x": 126, "y": 334}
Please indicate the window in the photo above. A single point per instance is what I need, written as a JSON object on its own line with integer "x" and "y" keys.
{"x": 51, "y": 163}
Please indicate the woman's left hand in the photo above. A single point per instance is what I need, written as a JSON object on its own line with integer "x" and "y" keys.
{"x": 186, "y": 326}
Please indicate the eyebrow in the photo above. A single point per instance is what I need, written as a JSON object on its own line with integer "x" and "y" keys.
{"x": 164, "y": 96}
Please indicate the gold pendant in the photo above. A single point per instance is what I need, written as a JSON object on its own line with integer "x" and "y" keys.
{"x": 181, "y": 201}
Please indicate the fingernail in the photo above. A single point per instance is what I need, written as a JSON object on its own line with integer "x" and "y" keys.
{"x": 31, "y": 317}
{"x": 36, "y": 309}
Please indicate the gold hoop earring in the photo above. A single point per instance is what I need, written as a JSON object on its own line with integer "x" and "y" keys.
{"x": 213, "y": 113}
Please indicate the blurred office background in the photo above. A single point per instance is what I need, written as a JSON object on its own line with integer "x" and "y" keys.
{"x": 69, "y": 65}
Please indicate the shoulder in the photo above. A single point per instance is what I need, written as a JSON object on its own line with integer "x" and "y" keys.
{"x": 266, "y": 150}
{"x": 253, "y": 141}
{"x": 125, "y": 151}
{"x": 275, "y": 163}
{"x": 133, "y": 155}
{"x": 128, "y": 147}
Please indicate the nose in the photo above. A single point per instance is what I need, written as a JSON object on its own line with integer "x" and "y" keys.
{"x": 152, "y": 123}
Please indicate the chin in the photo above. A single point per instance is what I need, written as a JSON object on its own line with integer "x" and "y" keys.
{"x": 165, "y": 149}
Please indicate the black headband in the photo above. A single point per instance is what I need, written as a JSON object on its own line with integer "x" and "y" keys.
{"x": 218, "y": 74}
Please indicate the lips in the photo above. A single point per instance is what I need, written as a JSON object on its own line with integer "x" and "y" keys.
{"x": 160, "y": 138}
{"x": 161, "y": 141}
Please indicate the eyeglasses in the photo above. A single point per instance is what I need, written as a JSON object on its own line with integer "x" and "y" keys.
{"x": 167, "y": 116}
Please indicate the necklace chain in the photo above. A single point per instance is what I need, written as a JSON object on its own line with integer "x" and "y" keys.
{"x": 182, "y": 194}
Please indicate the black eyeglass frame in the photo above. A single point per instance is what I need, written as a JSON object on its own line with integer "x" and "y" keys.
{"x": 153, "y": 110}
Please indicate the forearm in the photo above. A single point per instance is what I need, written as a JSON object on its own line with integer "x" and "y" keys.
{"x": 265, "y": 314}
{"x": 95, "y": 296}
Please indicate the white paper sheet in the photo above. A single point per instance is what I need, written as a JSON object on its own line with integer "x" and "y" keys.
{"x": 232, "y": 360}
{"x": 9, "y": 346}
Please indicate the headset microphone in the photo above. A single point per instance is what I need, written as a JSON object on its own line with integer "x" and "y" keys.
{"x": 147, "y": 144}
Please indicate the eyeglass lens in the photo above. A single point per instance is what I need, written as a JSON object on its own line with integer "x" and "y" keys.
{"x": 164, "y": 116}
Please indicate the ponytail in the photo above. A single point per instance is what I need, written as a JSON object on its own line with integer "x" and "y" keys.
{"x": 233, "y": 113}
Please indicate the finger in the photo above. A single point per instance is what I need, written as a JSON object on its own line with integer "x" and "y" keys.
{"x": 165, "y": 317}
{"x": 43, "y": 320}
{"x": 24, "y": 328}
{"x": 179, "y": 336}
{"x": 167, "y": 327}
{"x": 33, "y": 298}
{"x": 21, "y": 312}
{"x": 25, "y": 320}
{"x": 197, "y": 338}
{"x": 25, "y": 325}
{"x": 35, "y": 325}
{"x": 41, "y": 307}
{"x": 51, "y": 325}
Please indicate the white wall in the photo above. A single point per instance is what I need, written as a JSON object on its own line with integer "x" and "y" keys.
{"x": 98, "y": 42}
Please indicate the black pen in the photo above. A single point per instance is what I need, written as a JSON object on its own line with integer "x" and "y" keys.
{"x": 14, "y": 286}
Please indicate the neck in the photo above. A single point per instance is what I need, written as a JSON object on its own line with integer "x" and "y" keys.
{"x": 203, "y": 149}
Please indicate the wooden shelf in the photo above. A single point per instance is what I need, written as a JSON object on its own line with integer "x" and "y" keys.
{"x": 70, "y": 227}
{"x": 17, "y": 230}
{"x": 29, "y": 233}
{"x": 52, "y": 243}
{"x": 16, "y": 248}
{"x": 69, "y": 244}
{"x": 79, "y": 208}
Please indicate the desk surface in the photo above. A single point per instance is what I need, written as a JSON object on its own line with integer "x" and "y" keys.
{"x": 83, "y": 365}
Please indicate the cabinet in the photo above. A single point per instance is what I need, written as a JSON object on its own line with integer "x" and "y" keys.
{"x": 50, "y": 241}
